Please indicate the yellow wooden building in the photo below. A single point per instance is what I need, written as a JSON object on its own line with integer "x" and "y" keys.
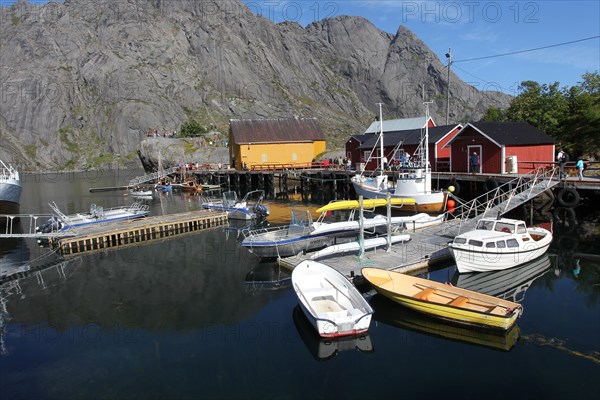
{"x": 273, "y": 143}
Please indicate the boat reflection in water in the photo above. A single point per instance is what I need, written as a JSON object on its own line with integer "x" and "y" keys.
{"x": 268, "y": 276}
{"x": 388, "y": 312}
{"x": 323, "y": 349}
{"x": 509, "y": 284}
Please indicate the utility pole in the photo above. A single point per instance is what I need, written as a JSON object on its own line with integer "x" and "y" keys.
{"x": 449, "y": 57}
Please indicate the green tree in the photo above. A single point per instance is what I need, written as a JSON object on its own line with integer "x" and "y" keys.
{"x": 569, "y": 115}
{"x": 192, "y": 128}
{"x": 544, "y": 106}
{"x": 582, "y": 125}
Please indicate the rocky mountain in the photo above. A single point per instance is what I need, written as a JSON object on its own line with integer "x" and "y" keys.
{"x": 84, "y": 80}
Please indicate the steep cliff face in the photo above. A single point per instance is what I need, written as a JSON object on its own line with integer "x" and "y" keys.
{"x": 83, "y": 81}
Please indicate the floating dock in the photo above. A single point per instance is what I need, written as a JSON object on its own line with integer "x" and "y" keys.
{"x": 124, "y": 233}
{"x": 424, "y": 250}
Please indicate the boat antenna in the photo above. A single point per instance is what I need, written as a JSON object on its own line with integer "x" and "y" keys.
{"x": 380, "y": 138}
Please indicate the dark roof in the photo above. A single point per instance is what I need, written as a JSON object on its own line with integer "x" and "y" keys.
{"x": 362, "y": 138}
{"x": 509, "y": 133}
{"x": 275, "y": 130}
{"x": 410, "y": 137}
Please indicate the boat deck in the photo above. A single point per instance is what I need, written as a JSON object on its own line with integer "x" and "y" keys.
{"x": 426, "y": 248}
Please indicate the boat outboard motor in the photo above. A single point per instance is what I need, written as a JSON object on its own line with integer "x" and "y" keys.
{"x": 52, "y": 225}
{"x": 260, "y": 210}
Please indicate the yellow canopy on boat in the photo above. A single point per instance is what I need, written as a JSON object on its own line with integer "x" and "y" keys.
{"x": 367, "y": 203}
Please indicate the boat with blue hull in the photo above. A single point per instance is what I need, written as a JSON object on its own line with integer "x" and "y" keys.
{"x": 97, "y": 215}
{"x": 248, "y": 208}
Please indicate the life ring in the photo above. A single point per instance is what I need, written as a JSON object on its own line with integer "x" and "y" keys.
{"x": 454, "y": 183}
{"x": 568, "y": 197}
{"x": 490, "y": 184}
{"x": 505, "y": 230}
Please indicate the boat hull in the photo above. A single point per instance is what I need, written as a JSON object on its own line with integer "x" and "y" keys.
{"x": 429, "y": 202}
{"x": 10, "y": 196}
{"x": 483, "y": 310}
{"x": 330, "y": 302}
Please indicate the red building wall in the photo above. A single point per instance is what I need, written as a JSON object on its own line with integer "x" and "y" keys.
{"x": 441, "y": 163}
{"x": 489, "y": 156}
{"x": 530, "y": 157}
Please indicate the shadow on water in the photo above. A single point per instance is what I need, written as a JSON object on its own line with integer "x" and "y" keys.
{"x": 390, "y": 313}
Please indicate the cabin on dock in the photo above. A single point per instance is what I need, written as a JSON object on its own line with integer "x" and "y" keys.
{"x": 274, "y": 143}
{"x": 502, "y": 147}
{"x": 398, "y": 142}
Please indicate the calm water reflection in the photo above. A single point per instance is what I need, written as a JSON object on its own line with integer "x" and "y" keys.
{"x": 199, "y": 317}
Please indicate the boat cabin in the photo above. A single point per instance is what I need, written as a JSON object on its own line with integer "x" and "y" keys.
{"x": 492, "y": 234}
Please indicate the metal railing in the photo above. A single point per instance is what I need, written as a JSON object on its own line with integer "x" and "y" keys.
{"x": 502, "y": 199}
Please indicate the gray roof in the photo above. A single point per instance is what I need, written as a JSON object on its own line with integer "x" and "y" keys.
{"x": 410, "y": 137}
{"x": 403, "y": 124}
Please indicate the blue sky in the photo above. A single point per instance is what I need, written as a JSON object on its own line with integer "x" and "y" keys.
{"x": 475, "y": 29}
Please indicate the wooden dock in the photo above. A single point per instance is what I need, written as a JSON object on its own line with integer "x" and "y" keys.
{"x": 125, "y": 233}
{"x": 426, "y": 248}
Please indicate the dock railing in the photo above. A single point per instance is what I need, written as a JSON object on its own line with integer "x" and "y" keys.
{"x": 502, "y": 199}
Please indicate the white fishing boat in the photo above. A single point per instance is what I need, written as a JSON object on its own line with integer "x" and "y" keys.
{"x": 97, "y": 215}
{"x": 250, "y": 207}
{"x": 330, "y": 302}
{"x": 497, "y": 244}
{"x": 304, "y": 235}
{"x": 414, "y": 181}
{"x": 10, "y": 189}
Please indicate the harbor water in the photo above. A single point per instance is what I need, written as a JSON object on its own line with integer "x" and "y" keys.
{"x": 198, "y": 316}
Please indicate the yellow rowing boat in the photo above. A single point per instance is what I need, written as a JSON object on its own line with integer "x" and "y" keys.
{"x": 367, "y": 203}
{"x": 444, "y": 301}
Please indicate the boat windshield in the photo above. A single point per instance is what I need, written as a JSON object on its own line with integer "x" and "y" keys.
{"x": 486, "y": 225}
{"x": 505, "y": 227}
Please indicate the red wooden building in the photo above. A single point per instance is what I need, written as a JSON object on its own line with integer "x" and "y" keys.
{"x": 407, "y": 141}
{"x": 503, "y": 147}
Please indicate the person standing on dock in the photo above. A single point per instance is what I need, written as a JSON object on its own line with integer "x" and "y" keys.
{"x": 579, "y": 166}
{"x": 562, "y": 159}
{"x": 475, "y": 163}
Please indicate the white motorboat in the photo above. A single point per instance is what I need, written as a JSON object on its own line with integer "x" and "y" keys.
{"x": 141, "y": 193}
{"x": 330, "y": 302}
{"x": 250, "y": 207}
{"x": 413, "y": 182}
{"x": 304, "y": 235}
{"x": 96, "y": 215}
{"x": 497, "y": 244}
{"x": 10, "y": 189}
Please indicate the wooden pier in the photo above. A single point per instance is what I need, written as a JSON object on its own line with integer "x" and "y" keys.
{"x": 125, "y": 233}
{"x": 424, "y": 251}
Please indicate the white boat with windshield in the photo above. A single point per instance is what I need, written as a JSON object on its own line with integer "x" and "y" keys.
{"x": 497, "y": 244}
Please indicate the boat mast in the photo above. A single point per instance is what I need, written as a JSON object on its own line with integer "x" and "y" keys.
{"x": 380, "y": 139}
{"x": 426, "y": 143}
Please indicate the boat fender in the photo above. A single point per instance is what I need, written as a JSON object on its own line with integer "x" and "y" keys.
{"x": 454, "y": 183}
{"x": 490, "y": 184}
{"x": 568, "y": 197}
